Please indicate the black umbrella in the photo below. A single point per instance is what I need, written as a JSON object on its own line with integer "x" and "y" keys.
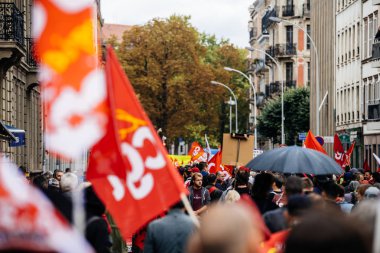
{"x": 294, "y": 160}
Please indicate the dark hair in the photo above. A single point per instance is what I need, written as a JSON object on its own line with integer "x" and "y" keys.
{"x": 327, "y": 231}
{"x": 242, "y": 177}
{"x": 262, "y": 185}
{"x": 293, "y": 185}
{"x": 306, "y": 183}
{"x": 202, "y": 166}
{"x": 279, "y": 181}
{"x": 56, "y": 171}
{"x": 332, "y": 190}
{"x": 211, "y": 178}
{"x": 41, "y": 182}
{"x": 298, "y": 204}
{"x": 67, "y": 170}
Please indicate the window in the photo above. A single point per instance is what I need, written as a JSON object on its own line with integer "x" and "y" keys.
{"x": 349, "y": 43}
{"x": 289, "y": 35}
{"x": 308, "y": 73}
{"x": 338, "y": 49}
{"x": 289, "y": 71}
{"x": 353, "y": 43}
{"x": 365, "y": 38}
{"x": 307, "y": 38}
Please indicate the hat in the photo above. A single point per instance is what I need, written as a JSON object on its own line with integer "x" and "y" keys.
{"x": 195, "y": 169}
{"x": 371, "y": 193}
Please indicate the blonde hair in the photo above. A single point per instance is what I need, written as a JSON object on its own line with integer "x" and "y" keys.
{"x": 232, "y": 196}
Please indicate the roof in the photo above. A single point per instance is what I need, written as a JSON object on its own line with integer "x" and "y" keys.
{"x": 114, "y": 29}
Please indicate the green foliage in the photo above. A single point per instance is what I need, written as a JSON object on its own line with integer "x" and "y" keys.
{"x": 296, "y": 112}
{"x": 170, "y": 64}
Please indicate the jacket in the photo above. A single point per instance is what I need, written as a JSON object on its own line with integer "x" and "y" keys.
{"x": 205, "y": 196}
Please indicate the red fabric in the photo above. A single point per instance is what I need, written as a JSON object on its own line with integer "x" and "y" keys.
{"x": 348, "y": 154}
{"x": 366, "y": 166}
{"x": 312, "y": 143}
{"x": 276, "y": 243}
{"x": 129, "y": 168}
{"x": 197, "y": 153}
{"x": 339, "y": 154}
{"x": 215, "y": 163}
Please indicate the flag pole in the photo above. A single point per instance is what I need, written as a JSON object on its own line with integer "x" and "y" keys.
{"x": 190, "y": 210}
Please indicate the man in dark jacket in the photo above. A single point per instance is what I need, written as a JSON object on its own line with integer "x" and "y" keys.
{"x": 170, "y": 233}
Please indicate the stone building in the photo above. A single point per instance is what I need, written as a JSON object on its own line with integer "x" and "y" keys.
{"x": 20, "y": 114}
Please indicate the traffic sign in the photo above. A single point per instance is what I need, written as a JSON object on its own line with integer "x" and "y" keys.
{"x": 302, "y": 136}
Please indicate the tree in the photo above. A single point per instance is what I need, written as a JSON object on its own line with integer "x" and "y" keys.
{"x": 296, "y": 113}
{"x": 170, "y": 64}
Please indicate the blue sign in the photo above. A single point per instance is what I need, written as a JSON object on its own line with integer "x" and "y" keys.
{"x": 302, "y": 136}
{"x": 19, "y": 134}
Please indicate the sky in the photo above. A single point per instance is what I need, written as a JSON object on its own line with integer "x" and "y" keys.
{"x": 225, "y": 18}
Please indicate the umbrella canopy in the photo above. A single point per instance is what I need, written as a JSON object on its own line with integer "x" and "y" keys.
{"x": 294, "y": 160}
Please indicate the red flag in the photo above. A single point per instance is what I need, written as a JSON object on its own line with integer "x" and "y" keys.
{"x": 197, "y": 153}
{"x": 339, "y": 154}
{"x": 215, "y": 163}
{"x": 366, "y": 166}
{"x": 72, "y": 84}
{"x": 29, "y": 221}
{"x": 129, "y": 167}
{"x": 312, "y": 143}
{"x": 347, "y": 161}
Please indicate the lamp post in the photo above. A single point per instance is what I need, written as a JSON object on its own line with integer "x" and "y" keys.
{"x": 236, "y": 104}
{"x": 282, "y": 90}
{"x": 254, "y": 97}
{"x": 317, "y": 106}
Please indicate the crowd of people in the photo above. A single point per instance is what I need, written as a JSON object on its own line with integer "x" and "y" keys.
{"x": 292, "y": 213}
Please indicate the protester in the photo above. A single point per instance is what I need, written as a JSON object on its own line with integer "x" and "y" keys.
{"x": 236, "y": 234}
{"x": 215, "y": 193}
{"x": 199, "y": 196}
{"x": 327, "y": 231}
{"x": 58, "y": 174}
{"x": 97, "y": 233}
{"x": 276, "y": 219}
{"x": 232, "y": 196}
{"x": 261, "y": 192}
{"x": 220, "y": 181}
{"x": 69, "y": 182}
{"x": 170, "y": 233}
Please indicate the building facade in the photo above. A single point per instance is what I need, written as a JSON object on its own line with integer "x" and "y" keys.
{"x": 370, "y": 88}
{"x": 348, "y": 70}
{"x": 20, "y": 106}
{"x": 283, "y": 41}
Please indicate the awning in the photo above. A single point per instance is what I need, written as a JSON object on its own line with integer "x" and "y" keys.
{"x": 19, "y": 135}
{"x": 5, "y": 134}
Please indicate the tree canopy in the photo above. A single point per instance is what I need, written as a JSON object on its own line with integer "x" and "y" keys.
{"x": 296, "y": 113}
{"x": 170, "y": 65}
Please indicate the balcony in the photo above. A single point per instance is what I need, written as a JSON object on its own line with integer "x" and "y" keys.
{"x": 253, "y": 33}
{"x": 288, "y": 10}
{"x": 30, "y": 54}
{"x": 272, "y": 88}
{"x": 282, "y": 50}
{"x": 373, "y": 110}
{"x": 290, "y": 84}
{"x": 258, "y": 65}
{"x": 376, "y": 54}
{"x": 12, "y": 41}
{"x": 306, "y": 10}
{"x": 266, "y": 22}
{"x": 11, "y": 23}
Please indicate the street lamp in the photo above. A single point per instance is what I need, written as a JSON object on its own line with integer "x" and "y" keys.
{"x": 317, "y": 105}
{"x": 236, "y": 104}
{"x": 254, "y": 97}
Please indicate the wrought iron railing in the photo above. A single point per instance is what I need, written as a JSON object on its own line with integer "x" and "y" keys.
{"x": 290, "y": 83}
{"x": 252, "y": 33}
{"x": 30, "y": 53}
{"x": 373, "y": 110}
{"x": 266, "y": 22}
{"x": 281, "y": 50}
{"x": 11, "y": 23}
{"x": 287, "y": 10}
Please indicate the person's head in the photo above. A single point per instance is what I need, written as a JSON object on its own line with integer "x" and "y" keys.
{"x": 298, "y": 205}
{"x": 307, "y": 185}
{"x": 211, "y": 179}
{"x": 331, "y": 191}
{"x": 93, "y": 205}
{"x": 365, "y": 213}
{"x": 372, "y": 193}
{"x": 194, "y": 170}
{"x": 353, "y": 185}
{"x": 47, "y": 175}
{"x": 41, "y": 182}
{"x": 361, "y": 190}
{"x": 196, "y": 180}
{"x": 293, "y": 185}
{"x": 232, "y": 196}
{"x": 278, "y": 182}
{"x": 328, "y": 231}
{"x": 220, "y": 176}
{"x": 58, "y": 174}
{"x": 53, "y": 184}
{"x": 367, "y": 175}
{"x": 67, "y": 170}
{"x": 242, "y": 177}
{"x": 359, "y": 177}
{"x": 262, "y": 185}
{"x": 202, "y": 166}
{"x": 227, "y": 228}
{"x": 69, "y": 182}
